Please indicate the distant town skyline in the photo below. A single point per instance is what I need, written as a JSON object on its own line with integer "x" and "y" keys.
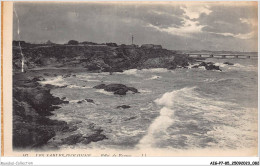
{"x": 231, "y": 26}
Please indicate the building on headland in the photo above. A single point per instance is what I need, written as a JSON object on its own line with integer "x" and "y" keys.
{"x": 151, "y": 46}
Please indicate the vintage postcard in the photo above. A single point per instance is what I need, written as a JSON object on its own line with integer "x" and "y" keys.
{"x": 131, "y": 79}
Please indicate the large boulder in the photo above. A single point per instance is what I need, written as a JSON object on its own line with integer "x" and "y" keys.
{"x": 100, "y": 86}
{"x": 121, "y": 91}
{"x": 118, "y": 89}
{"x": 114, "y": 87}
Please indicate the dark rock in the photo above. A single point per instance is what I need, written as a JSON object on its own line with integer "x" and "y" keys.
{"x": 81, "y": 101}
{"x": 94, "y": 138}
{"x": 66, "y": 75}
{"x": 133, "y": 89}
{"x": 70, "y": 128}
{"x": 28, "y": 135}
{"x": 90, "y": 100}
{"x": 209, "y": 66}
{"x": 39, "y": 78}
{"x": 31, "y": 105}
{"x": 212, "y": 67}
{"x": 93, "y": 67}
{"x": 121, "y": 91}
{"x": 75, "y": 122}
{"x": 101, "y": 86}
{"x": 118, "y": 89}
{"x": 73, "y": 139}
{"x": 123, "y": 106}
{"x": 228, "y": 63}
{"x": 56, "y": 107}
{"x": 114, "y": 87}
{"x": 203, "y": 64}
{"x": 111, "y": 70}
{"x": 49, "y": 86}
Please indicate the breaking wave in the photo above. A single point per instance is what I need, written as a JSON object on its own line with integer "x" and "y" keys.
{"x": 164, "y": 120}
{"x": 57, "y": 81}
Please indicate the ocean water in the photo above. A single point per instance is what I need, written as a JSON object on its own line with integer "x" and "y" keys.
{"x": 175, "y": 109}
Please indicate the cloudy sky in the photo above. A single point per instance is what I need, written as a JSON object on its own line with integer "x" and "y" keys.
{"x": 176, "y": 25}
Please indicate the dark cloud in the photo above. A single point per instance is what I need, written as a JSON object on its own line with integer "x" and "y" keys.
{"x": 227, "y": 19}
{"x": 60, "y": 22}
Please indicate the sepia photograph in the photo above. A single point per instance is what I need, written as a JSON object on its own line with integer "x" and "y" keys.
{"x": 159, "y": 78}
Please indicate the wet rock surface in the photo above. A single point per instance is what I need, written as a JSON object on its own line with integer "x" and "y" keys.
{"x": 118, "y": 89}
{"x": 208, "y": 66}
{"x": 32, "y": 106}
{"x": 123, "y": 106}
{"x": 32, "y": 103}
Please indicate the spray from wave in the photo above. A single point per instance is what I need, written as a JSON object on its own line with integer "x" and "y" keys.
{"x": 57, "y": 81}
{"x": 165, "y": 119}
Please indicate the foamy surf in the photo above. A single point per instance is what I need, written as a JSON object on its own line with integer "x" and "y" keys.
{"x": 145, "y": 91}
{"x": 104, "y": 92}
{"x": 78, "y": 87}
{"x": 164, "y": 120}
{"x": 130, "y": 72}
{"x": 154, "y": 77}
{"x": 57, "y": 81}
{"x": 155, "y": 70}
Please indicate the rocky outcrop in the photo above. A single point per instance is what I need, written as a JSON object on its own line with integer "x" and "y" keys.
{"x": 32, "y": 106}
{"x": 118, "y": 89}
{"x": 106, "y": 58}
{"x": 32, "y": 103}
{"x": 208, "y": 66}
{"x": 123, "y": 106}
{"x": 94, "y": 135}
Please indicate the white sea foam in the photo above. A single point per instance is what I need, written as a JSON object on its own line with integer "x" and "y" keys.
{"x": 155, "y": 70}
{"x": 154, "y": 77}
{"x": 74, "y": 101}
{"x": 78, "y": 87}
{"x": 144, "y": 91}
{"x": 191, "y": 65}
{"x": 245, "y": 67}
{"x": 57, "y": 81}
{"x": 130, "y": 72}
{"x": 209, "y": 80}
{"x": 221, "y": 65}
{"x": 93, "y": 80}
{"x": 164, "y": 120}
{"x": 104, "y": 92}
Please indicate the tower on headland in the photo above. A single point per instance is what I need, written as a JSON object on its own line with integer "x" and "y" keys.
{"x": 132, "y": 39}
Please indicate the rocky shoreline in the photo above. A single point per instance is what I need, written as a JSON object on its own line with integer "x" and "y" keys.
{"x": 33, "y": 103}
{"x": 32, "y": 107}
